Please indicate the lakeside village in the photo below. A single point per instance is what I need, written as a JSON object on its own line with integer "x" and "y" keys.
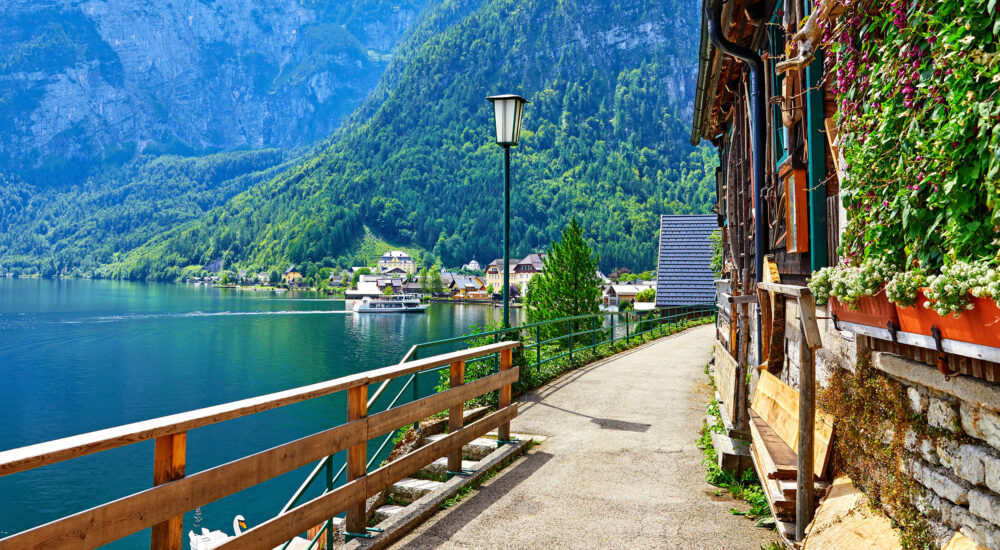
{"x": 397, "y": 273}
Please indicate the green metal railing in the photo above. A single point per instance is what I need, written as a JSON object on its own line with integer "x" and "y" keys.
{"x": 561, "y": 336}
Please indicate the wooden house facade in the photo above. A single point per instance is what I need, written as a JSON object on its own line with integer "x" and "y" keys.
{"x": 766, "y": 99}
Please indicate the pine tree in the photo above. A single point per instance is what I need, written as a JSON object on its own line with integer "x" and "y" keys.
{"x": 568, "y": 286}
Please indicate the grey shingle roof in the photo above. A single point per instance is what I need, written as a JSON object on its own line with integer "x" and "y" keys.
{"x": 684, "y": 274}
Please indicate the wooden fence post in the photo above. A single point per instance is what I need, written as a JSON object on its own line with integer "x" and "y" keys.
{"x": 503, "y": 432}
{"x": 455, "y": 420}
{"x": 169, "y": 459}
{"x": 809, "y": 340}
{"x": 357, "y": 457}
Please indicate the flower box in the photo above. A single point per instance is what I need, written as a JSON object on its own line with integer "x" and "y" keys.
{"x": 873, "y": 311}
{"x": 980, "y": 325}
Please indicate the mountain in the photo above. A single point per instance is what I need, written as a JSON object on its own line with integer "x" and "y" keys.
{"x": 604, "y": 140}
{"x": 84, "y": 85}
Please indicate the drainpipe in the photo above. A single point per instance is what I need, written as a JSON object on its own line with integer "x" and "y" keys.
{"x": 713, "y": 15}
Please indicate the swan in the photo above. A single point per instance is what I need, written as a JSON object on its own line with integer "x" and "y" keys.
{"x": 213, "y": 539}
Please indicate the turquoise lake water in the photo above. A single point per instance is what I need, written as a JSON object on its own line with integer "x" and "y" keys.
{"x": 80, "y": 355}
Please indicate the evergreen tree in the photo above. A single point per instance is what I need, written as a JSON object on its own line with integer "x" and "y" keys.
{"x": 569, "y": 284}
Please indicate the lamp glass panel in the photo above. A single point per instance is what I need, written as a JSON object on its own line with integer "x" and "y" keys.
{"x": 516, "y": 129}
{"x": 498, "y": 108}
{"x": 510, "y": 110}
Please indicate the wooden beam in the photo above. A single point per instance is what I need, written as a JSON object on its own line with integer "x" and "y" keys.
{"x": 169, "y": 459}
{"x": 395, "y": 417}
{"x": 810, "y": 327}
{"x": 503, "y": 433}
{"x": 396, "y": 470}
{"x": 788, "y": 290}
{"x": 456, "y": 377}
{"x": 807, "y": 425}
{"x": 112, "y": 521}
{"x": 275, "y": 532}
{"x": 34, "y": 456}
{"x": 357, "y": 458}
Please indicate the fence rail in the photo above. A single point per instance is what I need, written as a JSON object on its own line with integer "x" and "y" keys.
{"x": 163, "y": 506}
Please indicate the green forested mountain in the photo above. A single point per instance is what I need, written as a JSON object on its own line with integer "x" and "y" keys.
{"x": 604, "y": 139}
{"x": 83, "y": 227}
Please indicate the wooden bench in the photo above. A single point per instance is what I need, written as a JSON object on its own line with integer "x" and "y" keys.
{"x": 774, "y": 420}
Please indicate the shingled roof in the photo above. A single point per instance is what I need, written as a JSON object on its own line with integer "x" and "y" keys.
{"x": 684, "y": 273}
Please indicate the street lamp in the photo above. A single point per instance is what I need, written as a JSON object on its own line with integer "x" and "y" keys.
{"x": 507, "y": 112}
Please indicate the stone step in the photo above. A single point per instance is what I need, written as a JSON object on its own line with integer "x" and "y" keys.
{"x": 733, "y": 454}
{"x": 439, "y": 468}
{"x": 409, "y": 489}
{"x": 386, "y": 511}
{"x": 477, "y": 449}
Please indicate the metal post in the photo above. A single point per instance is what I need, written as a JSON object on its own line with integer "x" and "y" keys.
{"x": 611, "y": 338}
{"x": 626, "y": 329}
{"x": 329, "y": 487}
{"x": 538, "y": 348}
{"x": 416, "y": 389}
{"x": 506, "y": 237}
{"x": 593, "y": 332}
{"x": 570, "y": 323}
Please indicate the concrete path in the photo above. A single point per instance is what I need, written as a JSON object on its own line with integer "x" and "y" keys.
{"x": 619, "y": 469}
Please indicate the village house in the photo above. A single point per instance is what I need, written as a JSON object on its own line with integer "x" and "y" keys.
{"x": 468, "y": 288}
{"x": 616, "y": 295}
{"x": 292, "y": 276}
{"x": 396, "y": 259}
{"x": 521, "y": 271}
{"x": 774, "y": 99}
{"x": 473, "y": 266}
{"x": 375, "y": 285}
{"x": 263, "y": 277}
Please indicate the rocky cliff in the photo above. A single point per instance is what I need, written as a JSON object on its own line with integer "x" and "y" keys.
{"x": 103, "y": 79}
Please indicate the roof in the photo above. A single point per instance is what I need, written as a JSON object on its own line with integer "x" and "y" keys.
{"x": 291, "y": 269}
{"x": 535, "y": 260}
{"x": 462, "y": 282}
{"x": 713, "y": 95}
{"x": 396, "y": 254}
{"x": 626, "y": 290}
{"x": 684, "y": 273}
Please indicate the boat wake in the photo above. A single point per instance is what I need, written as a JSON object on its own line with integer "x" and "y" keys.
{"x": 142, "y": 316}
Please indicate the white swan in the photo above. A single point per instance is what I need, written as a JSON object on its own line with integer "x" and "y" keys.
{"x": 213, "y": 539}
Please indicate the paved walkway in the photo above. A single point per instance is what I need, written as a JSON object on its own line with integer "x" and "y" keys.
{"x": 620, "y": 468}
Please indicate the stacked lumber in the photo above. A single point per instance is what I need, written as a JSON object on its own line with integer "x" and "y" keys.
{"x": 774, "y": 420}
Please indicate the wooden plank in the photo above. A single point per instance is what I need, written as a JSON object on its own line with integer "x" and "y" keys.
{"x": 169, "y": 459}
{"x": 395, "y": 417}
{"x": 456, "y": 377}
{"x": 805, "y": 451}
{"x": 726, "y": 380}
{"x": 777, "y": 458}
{"x": 780, "y": 506}
{"x": 778, "y": 405}
{"x": 109, "y": 522}
{"x": 277, "y": 531}
{"x": 357, "y": 458}
{"x": 503, "y": 433}
{"x": 396, "y": 470}
{"x": 810, "y": 328}
{"x": 788, "y": 290}
{"x": 34, "y": 456}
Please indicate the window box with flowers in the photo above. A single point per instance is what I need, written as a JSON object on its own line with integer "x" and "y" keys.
{"x": 919, "y": 123}
{"x": 856, "y": 294}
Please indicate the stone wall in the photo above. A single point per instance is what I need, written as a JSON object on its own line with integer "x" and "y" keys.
{"x": 955, "y": 458}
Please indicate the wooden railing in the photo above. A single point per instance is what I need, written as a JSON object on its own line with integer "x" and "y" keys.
{"x": 163, "y": 506}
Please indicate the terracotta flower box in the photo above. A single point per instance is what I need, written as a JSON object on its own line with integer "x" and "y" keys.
{"x": 873, "y": 311}
{"x": 980, "y": 325}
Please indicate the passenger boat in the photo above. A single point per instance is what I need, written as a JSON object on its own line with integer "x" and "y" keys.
{"x": 400, "y": 303}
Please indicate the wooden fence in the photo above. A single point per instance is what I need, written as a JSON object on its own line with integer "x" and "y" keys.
{"x": 163, "y": 506}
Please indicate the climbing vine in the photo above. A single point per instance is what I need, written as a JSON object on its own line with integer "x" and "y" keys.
{"x": 872, "y": 422}
{"x": 917, "y": 83}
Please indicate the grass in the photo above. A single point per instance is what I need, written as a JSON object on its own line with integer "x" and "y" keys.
{"x": 745, "y": 487}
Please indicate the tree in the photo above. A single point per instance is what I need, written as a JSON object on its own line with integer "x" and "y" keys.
{"x": 647, "y": 295}
{"x": 225, "y": 278}
{"x": 436, "y": 285}
{"x": 358, "y": 274}
{"x": 568, "y": 286}
{"x": 387, "y": 291}
{"x": 275, "y": 277}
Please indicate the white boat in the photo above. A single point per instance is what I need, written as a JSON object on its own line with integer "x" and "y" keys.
{"x": 400, "y": 303}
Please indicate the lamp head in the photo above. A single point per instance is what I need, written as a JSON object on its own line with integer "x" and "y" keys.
{"x": 507, "y": 112}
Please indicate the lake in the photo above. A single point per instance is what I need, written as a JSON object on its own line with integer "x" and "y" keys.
{"x": 82, "y": 355}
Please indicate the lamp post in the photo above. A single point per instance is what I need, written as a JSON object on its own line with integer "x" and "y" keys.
{"x": 507, "y": 112}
